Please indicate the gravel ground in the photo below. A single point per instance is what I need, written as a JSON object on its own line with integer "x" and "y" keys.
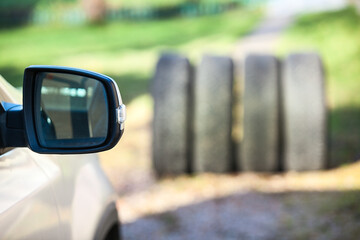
{"x": 253, "y": 215}
{"x": 240, "y": 216}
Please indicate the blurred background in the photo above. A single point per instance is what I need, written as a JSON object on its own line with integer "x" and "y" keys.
{"x": 124, "y": 39}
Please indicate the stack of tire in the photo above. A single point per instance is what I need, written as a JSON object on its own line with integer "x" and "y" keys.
{"x": 261, "y": 114}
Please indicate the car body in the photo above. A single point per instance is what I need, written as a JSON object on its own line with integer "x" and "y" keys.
{"x": 53, "y": 196}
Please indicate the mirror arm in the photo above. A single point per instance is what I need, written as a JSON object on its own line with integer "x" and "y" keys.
{"x": 12, "y": 131}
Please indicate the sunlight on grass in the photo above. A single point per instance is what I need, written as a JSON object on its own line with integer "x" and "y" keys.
{"x": 127, "y": 62}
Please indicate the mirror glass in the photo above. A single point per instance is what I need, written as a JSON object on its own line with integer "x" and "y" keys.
{"x": 72, "y": 111}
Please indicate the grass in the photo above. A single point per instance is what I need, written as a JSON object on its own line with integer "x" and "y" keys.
{"x": 321, "y": 215}
{"x": 335, "y": 36}
{"x": 348, "y": 203}
{"x": 127, "y": 51}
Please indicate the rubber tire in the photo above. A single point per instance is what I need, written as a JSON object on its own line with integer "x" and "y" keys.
{"x": 213, "y": 115}
{"x": 305, "y": 114}
{"x": 170, "y": 90}
{"x": 261, "y": 139}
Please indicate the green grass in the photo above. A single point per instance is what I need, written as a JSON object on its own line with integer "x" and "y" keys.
{"x": 348, "y": 202}
{"x": 127, "y": 51}
{"x": 321, "y": 215}
{"x": 336, "y": 37}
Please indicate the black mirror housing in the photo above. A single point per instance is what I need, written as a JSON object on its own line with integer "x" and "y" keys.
{"x": 73, "y": 141}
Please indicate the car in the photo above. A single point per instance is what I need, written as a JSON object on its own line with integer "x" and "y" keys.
{"x": 51, "y": 183}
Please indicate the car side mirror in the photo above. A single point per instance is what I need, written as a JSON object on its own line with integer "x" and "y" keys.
{"x": 68, "y": 111}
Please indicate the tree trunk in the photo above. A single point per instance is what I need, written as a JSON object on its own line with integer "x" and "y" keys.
{"x": 95, "y": 10}
{"x": 356, "y": 4}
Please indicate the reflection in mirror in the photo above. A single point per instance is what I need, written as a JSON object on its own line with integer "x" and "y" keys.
{"x": 72, "y": 112}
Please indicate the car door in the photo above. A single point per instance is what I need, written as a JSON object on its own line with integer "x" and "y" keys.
{"x": 28, "y": 208}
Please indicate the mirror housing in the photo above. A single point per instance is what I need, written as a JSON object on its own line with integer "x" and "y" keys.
{"x": 65, "y": 111}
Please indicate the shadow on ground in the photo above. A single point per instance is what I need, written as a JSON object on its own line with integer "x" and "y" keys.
{"x": 256, "y": 215}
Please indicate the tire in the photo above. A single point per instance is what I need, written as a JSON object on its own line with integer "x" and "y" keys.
{"x": 261, "y": 139}
{"x": 114, "y": 233}
{"x": 109, "y": 226}
{"x": 213, "y": 115}
{"x": 305, "y": 115}
{"x": 171, "y": 95}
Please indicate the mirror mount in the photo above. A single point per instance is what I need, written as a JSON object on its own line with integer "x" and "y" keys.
{"x": 12, "y": 133}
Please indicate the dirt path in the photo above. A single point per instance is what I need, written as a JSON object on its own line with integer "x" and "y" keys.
{"x": 264, "y": 39}
{"x": 279, "y": 15}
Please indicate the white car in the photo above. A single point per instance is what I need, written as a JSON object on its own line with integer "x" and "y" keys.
{"x": 43, "y": 193}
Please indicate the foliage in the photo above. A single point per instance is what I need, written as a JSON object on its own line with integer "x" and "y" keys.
{"x": 160, "y": 3}
{"x": 13, "y": 13}
{"x": 17, "y": 3}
